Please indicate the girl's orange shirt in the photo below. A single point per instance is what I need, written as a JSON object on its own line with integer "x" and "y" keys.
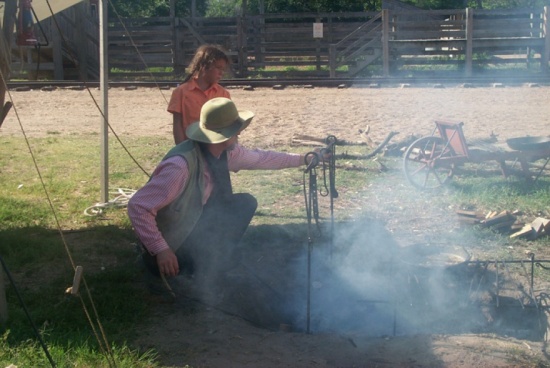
{"x": 187, "y": 100}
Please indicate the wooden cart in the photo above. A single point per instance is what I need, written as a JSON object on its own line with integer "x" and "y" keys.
{"x": 431, "y": 161}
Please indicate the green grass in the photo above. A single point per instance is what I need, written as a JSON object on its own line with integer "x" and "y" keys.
{"x": 42, "y": 261}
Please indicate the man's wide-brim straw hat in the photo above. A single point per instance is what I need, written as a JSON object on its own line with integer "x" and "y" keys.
{"x": 219, "y": 121}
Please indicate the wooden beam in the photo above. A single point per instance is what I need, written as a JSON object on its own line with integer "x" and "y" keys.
{"x": 385, "y": 42}
{"x": 469, "y": 43}
{"x": 81, "y": 41}
{"x": 57, "y": 54}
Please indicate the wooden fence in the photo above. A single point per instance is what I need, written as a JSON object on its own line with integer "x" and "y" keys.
{"x": 468, "y": 37}
{"x": 386, "y": 43}
{"x": 391, "y": 41}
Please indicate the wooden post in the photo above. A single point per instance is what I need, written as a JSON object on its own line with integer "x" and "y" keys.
{"x": 82, "y": 40}
{"x": 261, "y": 32}
{"x": 318, "y": 49}
{"x": 331, "y": 51}
{"x": 4, "y": 76}
{"x": 469, "y": 41}
{"x": 385, "y": 42}
{"x": 4, "y": 70}
{"x": 8, "y": 23}
{"x": 175, "y": 48}
{"x": 545, "y": 57}
{"x": 10, "y": 14}
{"x": 57, "y": 54}
{"x": 332, "y": 60}
{"x": 241, "y": 43}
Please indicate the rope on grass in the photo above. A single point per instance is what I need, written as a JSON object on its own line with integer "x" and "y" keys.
{"x": 120, "y": 201}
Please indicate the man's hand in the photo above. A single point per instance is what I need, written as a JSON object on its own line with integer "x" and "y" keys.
{"x": 325, "y": 154}
{"x": 168, "y": 263}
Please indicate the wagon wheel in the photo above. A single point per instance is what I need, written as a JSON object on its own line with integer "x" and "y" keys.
{"x": 426, "y": 163}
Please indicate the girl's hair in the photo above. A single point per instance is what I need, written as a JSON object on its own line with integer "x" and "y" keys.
{"x": 205, "y": 56}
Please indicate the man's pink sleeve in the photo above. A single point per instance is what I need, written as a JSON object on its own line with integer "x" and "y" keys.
{"x": 241, "y": 158}
{"x": 166, "y": 183}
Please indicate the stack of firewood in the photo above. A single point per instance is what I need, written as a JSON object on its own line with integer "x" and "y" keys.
{"x": 507, "y": 221}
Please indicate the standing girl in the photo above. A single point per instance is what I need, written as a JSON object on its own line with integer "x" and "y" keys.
{"x": 205, "y": 71}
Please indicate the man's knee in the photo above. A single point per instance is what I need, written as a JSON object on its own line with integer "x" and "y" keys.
{"x": 247, "y": 202}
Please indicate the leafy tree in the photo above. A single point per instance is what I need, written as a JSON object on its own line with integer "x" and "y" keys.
{"x": 477, "y": 4}
{"x": 138, "y": 9}
{"x": 223, "y": 8}
{"x": 508, "y": 4}
{"x": 439, "y": 4}
{"x": 155, "y": 8}
{"x": 231, "y": 7}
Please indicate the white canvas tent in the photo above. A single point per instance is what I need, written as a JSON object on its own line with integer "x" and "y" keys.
{"x": 42, "y": 10}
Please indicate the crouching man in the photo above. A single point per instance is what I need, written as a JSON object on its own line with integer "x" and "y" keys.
{"x": 187, "y": 217}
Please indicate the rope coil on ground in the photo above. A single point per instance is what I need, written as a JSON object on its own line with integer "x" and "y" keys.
{"x": 120, "y": 201}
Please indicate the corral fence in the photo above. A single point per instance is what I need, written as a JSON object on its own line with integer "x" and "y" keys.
{"x": 386, "y": 43}
{"x": 341, "y": 44}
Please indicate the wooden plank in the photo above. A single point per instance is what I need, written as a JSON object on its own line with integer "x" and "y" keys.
{"x": 525, "y": 232}
{"x": 443, "y": 23}
{"x": 264, "y": 64}
{"x": 541, "y": 225}
{"x": 131, "y": 51}
{"x": 468, "y": 213}
{"x": 508, "y": 33}
{"x": 140, "y": 66}
{"x": 141, "y": 39}
{"x": 148, "y": 58}
{"x": 504, "y": 216}
{"x": 433, "y": 35}
{"x": 32, "y": 66}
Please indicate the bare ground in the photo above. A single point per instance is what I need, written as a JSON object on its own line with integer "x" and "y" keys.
{"x": 213, "y": 335}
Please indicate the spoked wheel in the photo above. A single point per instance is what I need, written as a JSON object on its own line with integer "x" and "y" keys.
{"x": 426, "y": 163}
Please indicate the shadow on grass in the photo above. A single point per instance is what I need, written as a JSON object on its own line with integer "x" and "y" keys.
{"x": 360, "y": 282}
{"x": 42, "y": 270}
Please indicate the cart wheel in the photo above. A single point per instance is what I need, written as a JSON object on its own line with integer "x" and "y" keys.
{"x": 424, "y": 163}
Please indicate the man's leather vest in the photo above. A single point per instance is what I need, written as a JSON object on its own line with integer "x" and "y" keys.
{"x": 177, "y": 220}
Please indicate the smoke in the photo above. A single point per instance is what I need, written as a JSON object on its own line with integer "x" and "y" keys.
{"x": 371, "y": 286}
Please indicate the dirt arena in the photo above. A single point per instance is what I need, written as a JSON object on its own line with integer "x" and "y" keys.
{"x": 508, "y": 111}
{"x": 207, "y": 338}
